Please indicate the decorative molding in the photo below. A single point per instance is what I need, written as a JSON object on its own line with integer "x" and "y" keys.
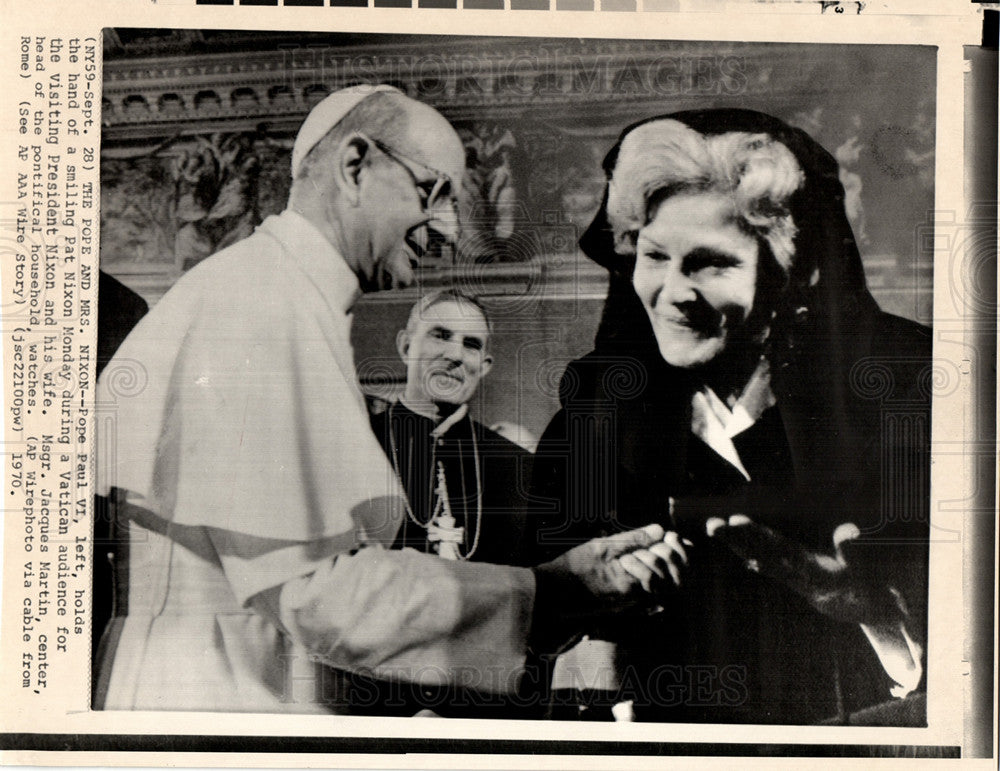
{"x": 463, "y": 78}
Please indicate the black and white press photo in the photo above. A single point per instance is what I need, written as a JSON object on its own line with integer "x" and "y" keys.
{"x": 523, "y": 378}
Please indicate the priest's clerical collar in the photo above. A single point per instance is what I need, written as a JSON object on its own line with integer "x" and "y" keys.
{"x": 431, "y": 411}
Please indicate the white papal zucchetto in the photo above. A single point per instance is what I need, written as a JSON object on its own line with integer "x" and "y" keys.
{"x": 327, "y": 114}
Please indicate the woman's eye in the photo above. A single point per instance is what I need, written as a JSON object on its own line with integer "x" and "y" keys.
{"x": 656, "y": 256}
{"x": 707, "y": 259}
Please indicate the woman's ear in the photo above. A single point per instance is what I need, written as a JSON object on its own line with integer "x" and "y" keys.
{"x": 625, "y": 243}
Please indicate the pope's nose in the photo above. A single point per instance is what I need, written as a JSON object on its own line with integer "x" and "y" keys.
{"x": 444, "y": 221}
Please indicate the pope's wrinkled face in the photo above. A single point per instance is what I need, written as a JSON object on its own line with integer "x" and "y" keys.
{"x": 413, "y": 190}
{"x": 445, "y": 353}
{"x": 696, "y": 274}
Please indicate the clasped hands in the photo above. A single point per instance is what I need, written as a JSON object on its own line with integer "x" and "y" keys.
{"x": 625, "y": 568}
{"x": 637, "y": 566}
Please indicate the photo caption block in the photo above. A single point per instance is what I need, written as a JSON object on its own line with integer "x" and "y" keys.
{"x": 49, "y": 236}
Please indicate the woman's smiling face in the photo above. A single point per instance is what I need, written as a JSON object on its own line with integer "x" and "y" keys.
{"x": 696, "y": 274}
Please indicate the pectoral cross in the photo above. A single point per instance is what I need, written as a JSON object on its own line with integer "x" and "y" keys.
{"x": 441, "y": 530}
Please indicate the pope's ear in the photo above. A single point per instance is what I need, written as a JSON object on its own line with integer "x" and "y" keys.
{"x": 403, "y": 343}
{"x": 487, "y": 365}
{"x": 352, "y": 158}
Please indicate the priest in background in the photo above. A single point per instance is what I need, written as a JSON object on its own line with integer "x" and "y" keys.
{"x": 451, "y": 465}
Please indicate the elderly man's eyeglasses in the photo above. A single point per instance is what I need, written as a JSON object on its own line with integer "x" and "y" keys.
{"x": 432, "y": 192}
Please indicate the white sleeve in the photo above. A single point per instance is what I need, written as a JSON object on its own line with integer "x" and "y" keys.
{"x": 403, "y": 615}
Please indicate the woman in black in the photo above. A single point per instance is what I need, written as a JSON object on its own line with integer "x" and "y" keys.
{"x": 746, "y": 390}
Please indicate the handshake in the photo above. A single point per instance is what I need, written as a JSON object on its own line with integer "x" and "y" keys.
{"x": 602, "y": 576}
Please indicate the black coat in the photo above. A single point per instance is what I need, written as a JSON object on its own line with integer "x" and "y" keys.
{"x": 504, "y": 468}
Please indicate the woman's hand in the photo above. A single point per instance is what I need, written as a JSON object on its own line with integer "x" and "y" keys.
{"x": 613, "y": 568}
{"x": 836, "y": 585}
{"x": 612, "y": 575}
{"x": 659, "y": 566}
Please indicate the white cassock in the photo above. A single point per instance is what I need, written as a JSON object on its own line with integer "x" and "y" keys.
{"x": 232, "y": 418}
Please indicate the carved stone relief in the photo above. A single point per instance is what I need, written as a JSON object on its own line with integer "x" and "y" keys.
{"x": 167, "y": 209}
{"x": 528, "y": 191}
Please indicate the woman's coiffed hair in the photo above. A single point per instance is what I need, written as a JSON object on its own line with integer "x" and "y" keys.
{"x": 664, "y": 157}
